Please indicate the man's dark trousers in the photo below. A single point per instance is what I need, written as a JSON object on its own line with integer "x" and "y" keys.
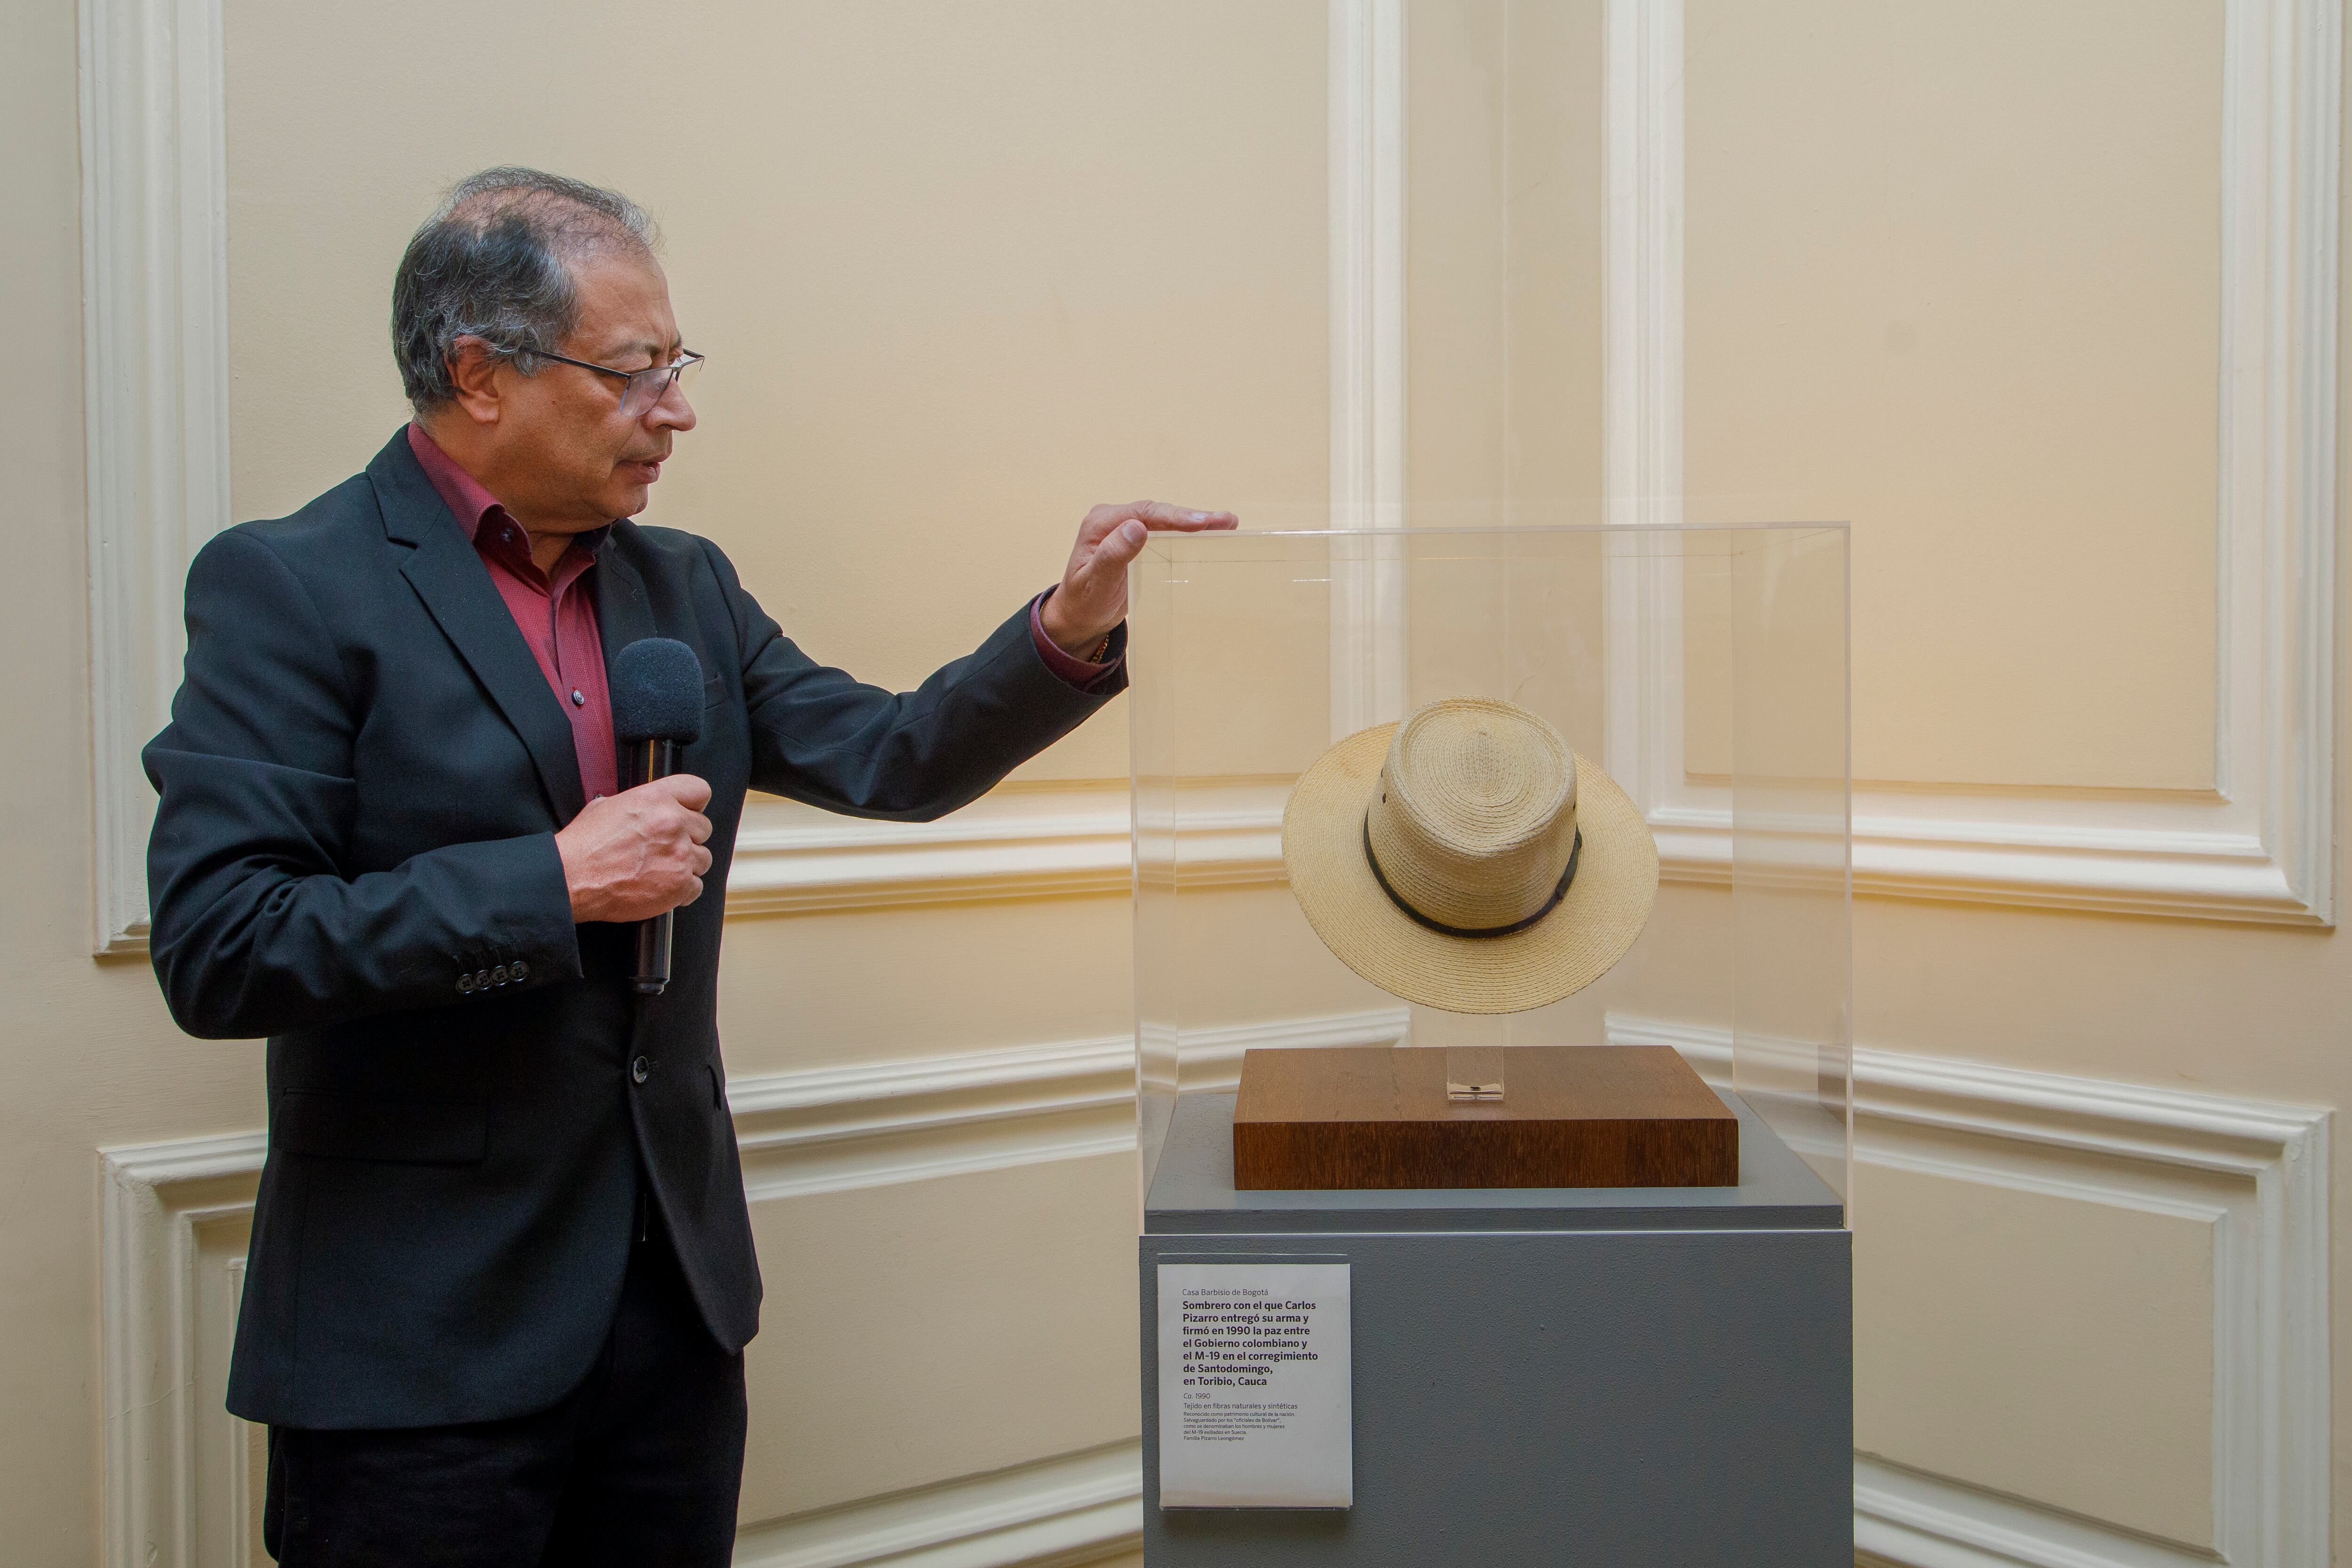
{"x": 354, "y": 855}
{"x": 640, "y": 1465}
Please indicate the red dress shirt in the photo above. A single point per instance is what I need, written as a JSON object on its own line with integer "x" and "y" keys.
{"x": 556, "y": 612}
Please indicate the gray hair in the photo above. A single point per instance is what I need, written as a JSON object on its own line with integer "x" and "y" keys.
{"x": 495, "y": 262}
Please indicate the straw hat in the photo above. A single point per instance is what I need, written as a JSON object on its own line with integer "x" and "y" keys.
{"x": 1467, "y": 859}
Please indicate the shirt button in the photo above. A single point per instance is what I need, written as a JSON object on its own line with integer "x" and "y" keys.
{"x": 577, "y": 699}
{"x": 641, "y": 1070}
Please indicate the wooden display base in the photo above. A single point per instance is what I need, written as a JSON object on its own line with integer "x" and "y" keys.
{"x": 1570, "y": 1116}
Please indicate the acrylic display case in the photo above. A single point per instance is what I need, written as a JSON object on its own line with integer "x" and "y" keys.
{"x": 1702, "y": 668}
{"x": 1456, "y": 1371}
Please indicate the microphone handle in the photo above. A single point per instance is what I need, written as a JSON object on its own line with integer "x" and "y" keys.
{"x": 645, "y": 761}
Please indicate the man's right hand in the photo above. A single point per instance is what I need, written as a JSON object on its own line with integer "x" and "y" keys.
{"x": 632, "y": 856}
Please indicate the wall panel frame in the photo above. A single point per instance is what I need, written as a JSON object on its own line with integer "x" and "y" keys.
{"x": 1368, "y": 175}
{"x": 171, "y": 1214}
{"x": 2259, "y": 847}
{"x": 154, "y": 241}
{"x": 2164, "y": 1151}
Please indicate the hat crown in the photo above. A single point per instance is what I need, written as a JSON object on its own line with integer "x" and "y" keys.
{"x": 1475, "y": 816}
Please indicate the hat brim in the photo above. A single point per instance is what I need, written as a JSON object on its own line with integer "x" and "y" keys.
{"x": 1593, "y": 926}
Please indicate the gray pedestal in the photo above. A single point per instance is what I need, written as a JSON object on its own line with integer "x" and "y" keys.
{"x": 1606, "y": 1378}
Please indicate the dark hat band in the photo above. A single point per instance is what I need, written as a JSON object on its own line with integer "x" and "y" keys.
{"x": 1575, "y": 851}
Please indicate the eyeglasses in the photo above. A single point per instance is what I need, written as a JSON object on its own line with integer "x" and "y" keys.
{"x": 640, "y": 389}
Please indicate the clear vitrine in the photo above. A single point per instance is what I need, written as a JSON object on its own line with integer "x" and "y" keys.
{"x": 1702, "y": 668}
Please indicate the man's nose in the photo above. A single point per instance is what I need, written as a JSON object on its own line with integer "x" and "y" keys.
{"x": 673, "y": 412}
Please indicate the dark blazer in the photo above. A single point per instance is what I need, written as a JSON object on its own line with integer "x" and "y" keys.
{"x": 360, "y": 786}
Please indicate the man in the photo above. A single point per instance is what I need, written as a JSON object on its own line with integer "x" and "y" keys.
{"x": 502, "y": 1273}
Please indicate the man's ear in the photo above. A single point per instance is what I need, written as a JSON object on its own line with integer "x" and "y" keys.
{"x": 475, "y": 368}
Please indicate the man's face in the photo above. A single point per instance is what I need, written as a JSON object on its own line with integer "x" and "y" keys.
{"x": 566, "y": 441}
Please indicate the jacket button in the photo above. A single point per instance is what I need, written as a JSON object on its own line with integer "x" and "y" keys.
{"x": 641, "y": 1070}
{"x": 481, "y": 980}
{"x": 464, "y": 986}
{"x": 518, "y": 970}
{"x": 498, "y": 975}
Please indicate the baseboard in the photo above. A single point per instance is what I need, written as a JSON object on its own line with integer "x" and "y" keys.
{"x": 1056, "y": 1513}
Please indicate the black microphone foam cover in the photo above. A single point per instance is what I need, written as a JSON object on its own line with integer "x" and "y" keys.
{"x": 657, "y": 692}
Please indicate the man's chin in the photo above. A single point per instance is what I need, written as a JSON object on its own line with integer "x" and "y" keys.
{"x": 625, "y": 499}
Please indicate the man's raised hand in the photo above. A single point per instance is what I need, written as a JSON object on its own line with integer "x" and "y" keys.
{"x": 631, "y": 856}
{"x": 1092, "y": 595}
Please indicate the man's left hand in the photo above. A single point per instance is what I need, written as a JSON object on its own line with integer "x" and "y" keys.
{"x": 1092, "y": 598}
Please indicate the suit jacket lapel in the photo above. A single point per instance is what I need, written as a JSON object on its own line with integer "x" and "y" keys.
{"x": 456, "y": 589}
{"x": 623, "y": 611}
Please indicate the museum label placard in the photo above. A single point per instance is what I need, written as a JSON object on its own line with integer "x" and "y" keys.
{"x": 1254, "y": 1367}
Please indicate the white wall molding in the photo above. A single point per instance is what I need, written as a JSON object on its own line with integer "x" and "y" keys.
{"x": 155, "y": 390}
{"x": 827, "y": 1129}
{"x": 1211, "y": 1059}
{"x": 1642, "y": 391}
{"x": 1063, "y": 842}
{"x": 2260, "y": 848}
{"x": 1074, "y": 842}
{"x": 1080, "y": 1508}
{"x": 156, "y": 1201}
{"x": 1905, "y": 1520}
{"x": 2163, "y": 1150}
{"x": 175, "y": 1477}
{"x": 1642, "y": 305}
{"x": 174, "y": 1472}
{"x": 1055, "y": 844}
{"x": 2281, "y": 270}
{"x": 1368, "y": 170}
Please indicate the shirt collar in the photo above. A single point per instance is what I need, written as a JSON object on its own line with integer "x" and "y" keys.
{"x": 465, "y": 497}
{"x": 463, "y": 493}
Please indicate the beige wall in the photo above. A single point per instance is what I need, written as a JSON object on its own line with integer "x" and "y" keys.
{"x": 1928, "y": 246}
{"x": 963, "y": 271}
{"x": 73, "y": 1026}
{"x": 1952, "y": 274}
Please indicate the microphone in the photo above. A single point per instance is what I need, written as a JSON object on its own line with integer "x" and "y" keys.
{"x": 657, "y": 708}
